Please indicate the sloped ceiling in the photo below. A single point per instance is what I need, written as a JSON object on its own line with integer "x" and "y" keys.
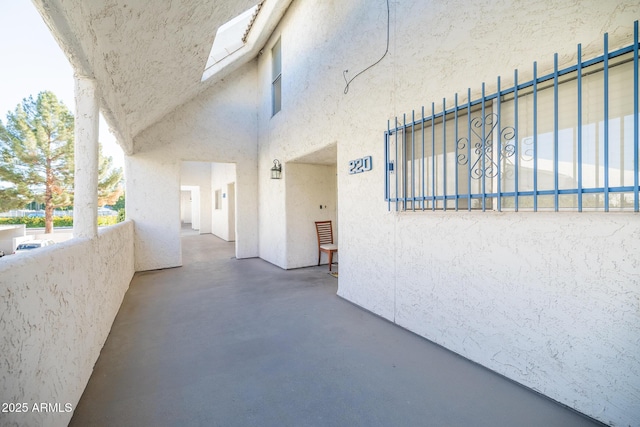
{"x": 148, "y": 56}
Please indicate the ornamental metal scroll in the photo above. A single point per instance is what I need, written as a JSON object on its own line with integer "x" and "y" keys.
{"x": 482, "y": 150}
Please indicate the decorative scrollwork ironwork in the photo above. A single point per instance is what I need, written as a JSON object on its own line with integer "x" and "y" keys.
{"x": 527, "y": 149}
{"x": 482, "y": 152}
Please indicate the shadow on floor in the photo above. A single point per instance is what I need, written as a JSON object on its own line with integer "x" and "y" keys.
{"x": 226, "y": 342}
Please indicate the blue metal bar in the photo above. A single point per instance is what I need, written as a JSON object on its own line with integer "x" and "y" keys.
{"x": 542, "y": 79}
{"x": 579, "y": 72}
{"x": 404, "y": 161}
{"x": 606, "y": 122}
{"x": 469, "y": 145}
{"x": 517, "y": 149}
{"x": 423, "y": 171}
{"x": 556, "y": 161}
{"x": 499, "y": 156}
{"x": 413, "y": 157}
{"x": 636, "y": 113}
{"x": 433, "y": 157}
{"x": 484, "y": 153}
{"x": 397, "y": 164}
{"x": 535, "y": 136}
{"x": 444, "y": 152}
{"x": 611, "y": 189}
{"x": 386, "y": 165}
{"x": 401, "y": 184}
{"x": 597, "y": 190}
{"x": 455, "y": 147}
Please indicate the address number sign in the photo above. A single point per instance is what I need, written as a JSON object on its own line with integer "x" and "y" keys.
{"x": 362, "y": 164}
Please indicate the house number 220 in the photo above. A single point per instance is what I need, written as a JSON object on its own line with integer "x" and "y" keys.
{"x": 360, "y": 165}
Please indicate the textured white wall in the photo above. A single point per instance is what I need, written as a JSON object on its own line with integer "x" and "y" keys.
{"x": 308, "y": 188}
{"x": 217, "y": 126}
{"x": 153, "y": 193}
{"x": 198, "y": 174}
{"x": 549, "y": 300}
{"x": 196, "y": 208}
{"x": 185, "y": 206}
{"x": 272, "y": 219}
{"x": 223, "y": 174}
{"x": 86, "y": 157}
{"x": 54, "y": 323}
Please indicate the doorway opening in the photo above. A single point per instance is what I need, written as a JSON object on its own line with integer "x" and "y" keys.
{"x": 207, "y": 199}
{"x": 312, "y": 195}
{"x": 190, "y": 209}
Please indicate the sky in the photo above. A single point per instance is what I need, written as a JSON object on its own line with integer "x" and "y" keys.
{"x": 33, "y": 62}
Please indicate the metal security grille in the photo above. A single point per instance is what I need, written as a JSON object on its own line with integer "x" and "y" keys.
{"x": 563, "y": 141}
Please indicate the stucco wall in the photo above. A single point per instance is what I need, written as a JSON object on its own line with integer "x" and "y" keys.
{"x": 153, "y": 203}
{"x": 512, "y": 291}
{"x": 217, "y": 126}
{"x": 198, "y": 174}
{"x": 196, "y": 208}
{"x": 311, "y": 196}
{"x": 185, "y": 206}
{"x": 58, "y": 304}
{"x": 223, "y": 174}
{"x": 272, "y": 219}
{"x": 549, "y": 302}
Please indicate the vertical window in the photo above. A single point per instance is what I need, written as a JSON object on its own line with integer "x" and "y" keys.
{"x": 276, "y": 75}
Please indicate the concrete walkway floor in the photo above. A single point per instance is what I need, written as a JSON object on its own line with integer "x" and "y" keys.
{"x": 226, "y": 342}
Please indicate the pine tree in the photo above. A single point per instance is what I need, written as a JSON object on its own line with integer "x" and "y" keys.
{"x": 12, "y": 196}
{"x": 109, "y": 180}
{"x": 36, "y": 159}
{"x": 36, "y": 155}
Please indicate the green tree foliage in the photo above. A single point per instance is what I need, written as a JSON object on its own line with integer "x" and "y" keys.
{"x": 109, "y": 180}
{"x": 11, "y": 197}
{"x": 36, "y": 154}
{"x": 119, "y": 204}
{"x": 37, "y": 159}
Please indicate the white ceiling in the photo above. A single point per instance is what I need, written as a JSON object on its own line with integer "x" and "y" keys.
{"x": 148, "y": 56}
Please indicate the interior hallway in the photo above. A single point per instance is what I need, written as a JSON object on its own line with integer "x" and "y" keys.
{"x": 231, "y": 342}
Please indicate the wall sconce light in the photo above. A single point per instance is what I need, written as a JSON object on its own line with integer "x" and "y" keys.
{"x": 276, "y": 170}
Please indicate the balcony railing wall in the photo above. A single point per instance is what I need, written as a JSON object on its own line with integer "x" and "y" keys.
{"x": 58, "y": 305}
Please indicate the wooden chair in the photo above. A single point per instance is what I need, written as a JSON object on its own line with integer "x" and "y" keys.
{"x": 324, "y": 231}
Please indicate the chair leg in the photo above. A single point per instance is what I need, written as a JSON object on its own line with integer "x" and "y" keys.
{"x": 330, "y": 259}
{"x": 319, "y": 255}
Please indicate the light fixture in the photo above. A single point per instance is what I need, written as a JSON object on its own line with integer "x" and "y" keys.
{"x": 276, "y": 170}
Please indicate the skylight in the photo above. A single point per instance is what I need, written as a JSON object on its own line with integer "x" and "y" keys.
{"x": 230, "y": 37}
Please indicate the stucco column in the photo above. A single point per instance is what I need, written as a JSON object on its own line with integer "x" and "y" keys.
{"x": 85, "y": 205}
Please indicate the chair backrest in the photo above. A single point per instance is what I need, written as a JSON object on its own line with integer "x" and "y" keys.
{"x": 324, "y": 232}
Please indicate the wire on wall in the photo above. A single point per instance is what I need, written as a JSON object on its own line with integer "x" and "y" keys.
{"x": 344, "y": 73}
